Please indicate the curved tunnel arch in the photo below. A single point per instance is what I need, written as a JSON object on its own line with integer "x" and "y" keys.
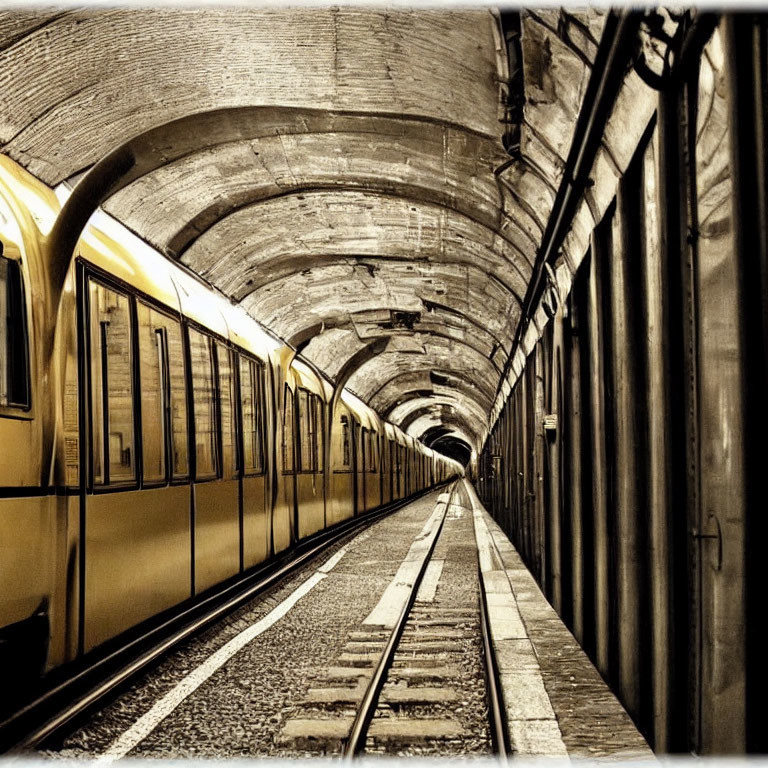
{"x": 427, "y": 283}
{"x": 365, "y": 382}
{"x": 455, "y": 379}
{"x": 416, "y": 400}
{"x": 471, "y": 415}
{"x": 346, "y": 319}
{"x": 417, "y": 336}
{"x": 376, "y": 189}
{"x": 366, "y": 225}
{"x": 158, "y": 146}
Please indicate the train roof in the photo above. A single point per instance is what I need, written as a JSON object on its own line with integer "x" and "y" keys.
{"x": 112, "y": 247}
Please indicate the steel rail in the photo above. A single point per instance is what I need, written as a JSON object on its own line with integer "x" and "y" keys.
{"x": 365, "y": 712}
{"x": 496, "y": 709}
{"x": 44, "y": 717}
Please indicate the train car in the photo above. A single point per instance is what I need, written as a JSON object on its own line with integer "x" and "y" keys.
{"x": 157, "y": 441}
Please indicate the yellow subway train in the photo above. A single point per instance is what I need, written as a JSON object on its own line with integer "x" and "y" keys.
{"x": 161, "y": 444}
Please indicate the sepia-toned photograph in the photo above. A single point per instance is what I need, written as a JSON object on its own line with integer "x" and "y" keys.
{"x": 382, "y": 382}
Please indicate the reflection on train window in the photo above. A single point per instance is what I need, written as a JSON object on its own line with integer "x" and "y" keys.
{"x": 345, "y": 441}
{"x": 287, "y": 431}
{"x": 320, "y": 434}
{"x": 310, "y": 431}
{"x": 226, "y": 409}
{"x": 250, "y": 397}
{"x": 14, "y": 361}
{"x": 201, "y": 361}
{"x": 111, "y": 386}
{"x": 153, "y": 392}
{"x": 372, "y": 450}
{"x": 364, "y": 449}
{"x": 178, "y": 381}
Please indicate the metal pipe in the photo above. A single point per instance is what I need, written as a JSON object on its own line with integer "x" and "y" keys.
{"x": 608, "y": 73}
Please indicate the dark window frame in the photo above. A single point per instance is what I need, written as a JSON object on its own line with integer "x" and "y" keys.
{"x": 191, "y": 420}
{"x": 288, "y": 392}
{"x": 109, "y": 486}
{"x": 14, "y": 408}
{"x": 258, "y": 368}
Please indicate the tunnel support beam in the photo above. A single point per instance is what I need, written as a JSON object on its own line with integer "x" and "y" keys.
{"x": 598, "y": 461}
{"x": 627, "y": 456}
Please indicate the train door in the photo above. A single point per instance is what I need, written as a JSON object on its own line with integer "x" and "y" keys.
{"x": 372, "y": 484}
{"x": 310, "y": 490}
{"x": 342, "y": 481}
{"x": 384, "y": 469}
{"x": 400, "y": 471}
{"x": 360, "y": 465}
{"x": 392, "y": 470}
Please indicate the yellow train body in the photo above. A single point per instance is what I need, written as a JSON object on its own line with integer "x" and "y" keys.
{"x": 188, "y": 444}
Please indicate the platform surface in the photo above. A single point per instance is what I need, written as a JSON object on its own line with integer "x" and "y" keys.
{"x": 557, "y": 702}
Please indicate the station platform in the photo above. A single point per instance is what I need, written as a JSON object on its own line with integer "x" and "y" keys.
{"x": 558, "y": 704}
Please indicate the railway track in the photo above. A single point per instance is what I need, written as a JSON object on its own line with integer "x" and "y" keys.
{"x": 69, "y": 695}
{"x": 410, "y": 685}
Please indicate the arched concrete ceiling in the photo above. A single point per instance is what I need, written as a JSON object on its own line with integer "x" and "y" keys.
{"x": 263, "y": 242}
{"x": 439, "y": 382}
{"x": 339, "y": 172}
{"x": 403, "y": 284}
{"x": 442, "y": 421}
{"x": 301, "y": 151}
{"x": 102, "y": 76}
{"x": 419, "y": 405}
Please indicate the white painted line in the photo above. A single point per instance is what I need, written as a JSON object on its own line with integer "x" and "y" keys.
{"x": 124, "y": 743}
{"x": 390, "y": 605}
{"x": 333, "y": 561}
{"x": 428, "y": 587}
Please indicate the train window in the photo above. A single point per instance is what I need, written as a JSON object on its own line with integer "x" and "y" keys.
{"x": 178, "y": 400}
{"x": 307, "y": 447}
{"x": 226, "y": 411}
{"x": 14, "y": 360}
{"x": 364, "y": 448}
{"x": 345, "y": 457}
{"x": 111, "y": 386}
{"x": 250, "y": 398}
{"x": 153, "y": 392}
{"x": 319, "y": 434}
{"x": 163, "y": 395}
{"x": 373, "y": 440}
{"x": 287, "y": 431}
{"x": 203, "y": 405}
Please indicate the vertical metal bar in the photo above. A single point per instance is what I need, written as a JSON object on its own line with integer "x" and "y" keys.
{"x": 628, "y": 450}
{"x": 555, "y": 445}
{"x": 103, "y": 332}
{"x": 656, "y": 296}
{"x": 572, "y": 417}
{"x": 85, "y": 433}
{"x": 539, "y": 506}
{"x": 599, "y": 494}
